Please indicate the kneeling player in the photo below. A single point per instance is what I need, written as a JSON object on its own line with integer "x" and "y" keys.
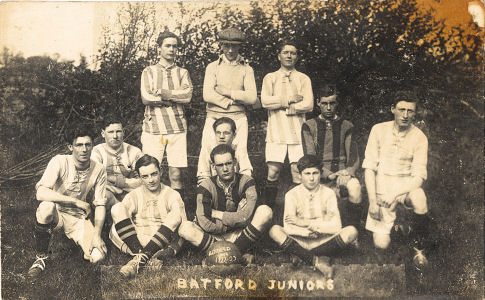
{"x": 63, "y": 192}
{"x": 226, "y": 207}
{"x": 146, "y": 220}
{"x": 312, "y": 227}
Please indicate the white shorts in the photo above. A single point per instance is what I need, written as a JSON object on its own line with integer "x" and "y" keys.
{"x": 240, "y": 140}
{"x": 276, "y": 152}
{"x": 175, "y": 145}
{"x": 384, "y": 225}
{"x": 81, "y": 231}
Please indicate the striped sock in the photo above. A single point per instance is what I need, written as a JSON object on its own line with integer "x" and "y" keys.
{"x": 331, "y": 247}
{"x": 159, "y": 240}
{"x": 292, "y": 247}
{"x": 42, "y": 235}
{"x": 207, "y": 241}
{"x": 126, "y": 231}
{"x": 247, "y": 238}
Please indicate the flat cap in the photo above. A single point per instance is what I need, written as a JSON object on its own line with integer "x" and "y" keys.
{"x": 231, "y": 36}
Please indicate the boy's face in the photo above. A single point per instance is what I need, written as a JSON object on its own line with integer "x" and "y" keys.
{"x": 310, "y": 178}
{"x": 81, "y": 149}
{"x": 150, "y": 177}
{"x": 225, "y": 166}
{"x": 224, "y": 134}
{"x": 231, "y": 51}
{"x": 328, "y": 106}
{"x": 288, "y": 56}
{"x": 168, "y": 49}
{"x": 404, "y": 113}
{"x": 113, "y": 135}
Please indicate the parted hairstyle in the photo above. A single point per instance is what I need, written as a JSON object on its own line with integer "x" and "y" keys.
{"x": 287, "y": 42}
{"x": 221, "y": 149}
{"x": 80, "y": 130}
{"x": 308, "y": 161}
{"x": 225, "y": 120}
{"x": 109, "y": 119}
{"x": 325, "y": 90}
{"x": 144, "y": 161}
{"x": 405, "y": 95}
{"x": 165, "y": 35}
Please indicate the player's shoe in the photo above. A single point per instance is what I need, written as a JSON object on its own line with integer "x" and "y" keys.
{"x": 133, "y": 266}
{"x": 247, "y": 259}
{"x": 164, "y": 253}
{"x": 322, "y": 264}
{"x": 419, "y": 260}
{"x": 38, "y": 266}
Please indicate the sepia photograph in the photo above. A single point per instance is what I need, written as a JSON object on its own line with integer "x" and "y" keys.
{"x": 242, "y": 149}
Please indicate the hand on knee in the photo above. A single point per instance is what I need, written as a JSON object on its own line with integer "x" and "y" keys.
{"x": 418, "y": 201}
{"x": 96, "y": 255}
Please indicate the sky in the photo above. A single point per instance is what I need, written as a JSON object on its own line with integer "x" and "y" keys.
{"x": 74, "y": 28}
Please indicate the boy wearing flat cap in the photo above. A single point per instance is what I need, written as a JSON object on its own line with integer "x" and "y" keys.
{"x": 229, "y": 86}
{"x": 165, "y": 88}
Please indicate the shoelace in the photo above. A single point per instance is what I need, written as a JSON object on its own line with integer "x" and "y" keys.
{"x": 138, "y": 259}
{"x": 39, "y": 262}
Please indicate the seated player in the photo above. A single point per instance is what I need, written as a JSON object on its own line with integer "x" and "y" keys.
{"x": 119, "y": 159}
{"x": 147, "y": 219}
{"x": 225, "y": 131}
{"x": 329, "y": 137}
{"x": 63, "y": 194}
{"x": 311, "y": 227}
{"x": 395, "y": 169}
{"x": 226, "y": 207}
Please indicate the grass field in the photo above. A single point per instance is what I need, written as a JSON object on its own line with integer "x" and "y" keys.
{"x": 454, "y": 190}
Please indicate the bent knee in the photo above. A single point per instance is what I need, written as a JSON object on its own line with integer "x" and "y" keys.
{"x": 263, "y": 214}
{"x": 418, "y": 201}
{"x": 273, "y": 171}
{"x": 118, "y": 212}
{"x": 349, "y": 234}
{"x": 382, "y": 241}
{"x": 45, "y": 212}
{"x": 277, "y": 234}
{"x": 186, "y": 229}
{"x": 354, "y": 188}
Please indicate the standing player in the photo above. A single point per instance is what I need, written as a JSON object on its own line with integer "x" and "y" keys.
{"x": 395, "y": 169}
{"x": 226, "y": 208}
{"x": 329, "y": 137}
{"x": 312, "y": 229}
{"x": 287, "y": 94}
{"x": 119, "y": 160}
{"x": 229, "y": 86}
{"x": 165, "y": 87}
{"x": 63, "y": 191}
{"x": 146, "y": 220}
{"x": 225, "y": 130}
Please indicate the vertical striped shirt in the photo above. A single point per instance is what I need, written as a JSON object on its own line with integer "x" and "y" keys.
{"x": 148, "y": 212}
{"x": 117, "y": 162}
{"x": 170, "y": 118}
{"x": 62, "y": 176}
{"x": 284, "y": 122}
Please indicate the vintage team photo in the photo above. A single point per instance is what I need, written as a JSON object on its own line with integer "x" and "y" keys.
{"x": 224, "y": 149}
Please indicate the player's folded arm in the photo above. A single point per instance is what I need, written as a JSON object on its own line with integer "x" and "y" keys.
{"x": 204, "y": 214}
{"x": 241, "y": 217}
{"x": 208, "y": 91}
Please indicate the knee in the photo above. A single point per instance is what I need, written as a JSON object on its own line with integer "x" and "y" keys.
{"x": 111, "y": 200}
{"x": 354, "y": 188}
{"x": 273, "y": 171}
{"x": 186, "y": 229}
{"x": 263, "y": 215}
{"x": 349, "y": 234}
{"x": 382, "y": 241}
{"x": 174, "y": 174}
{"x": 45, "y": 212}
{"x": 118, "y": 212}
{"x": 418, "y": 201}
{"x": 295, "y": 174}
{"x": 277, "y": 234}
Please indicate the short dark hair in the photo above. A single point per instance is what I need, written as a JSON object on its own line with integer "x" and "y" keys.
{"x": 146, "y": 160}
{"x": 80, "y": 130}
{"x": 309, "y": 161}
{"x": 165, "y": 35}
{"x": 326, "y": 89}
{"x": 404, "y": 95}
{"x": 287, "y": 42}
{"x": 222, "y": 149}
{"x": 225, "y": 120}
{"x": 112, "y": 118}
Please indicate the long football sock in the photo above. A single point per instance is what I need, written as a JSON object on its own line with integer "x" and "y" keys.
{"x": 420, "y": 225}
{"x": 42, "y": 235}
{"x": 247, "y": 238}
{"x": 292, "y": 247}
{"x": 126, "y": 231}
{"x": 206, "y": 242}
{"x": 159, "y": 240}
{"x": 331, "y": 247}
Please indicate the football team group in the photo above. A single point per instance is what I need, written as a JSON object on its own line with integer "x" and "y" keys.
{"x": 319, "y": 216}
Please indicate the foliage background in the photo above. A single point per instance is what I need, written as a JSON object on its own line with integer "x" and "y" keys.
{"x": 369, "y": 49}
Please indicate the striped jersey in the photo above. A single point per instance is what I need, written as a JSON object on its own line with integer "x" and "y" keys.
{"x": 117, "y": 162}
{"x": 284, "y": 120}
{"x": 170, "y": 118}
{"x": 62, "y": 176}
{"x": 148, "y": 212}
